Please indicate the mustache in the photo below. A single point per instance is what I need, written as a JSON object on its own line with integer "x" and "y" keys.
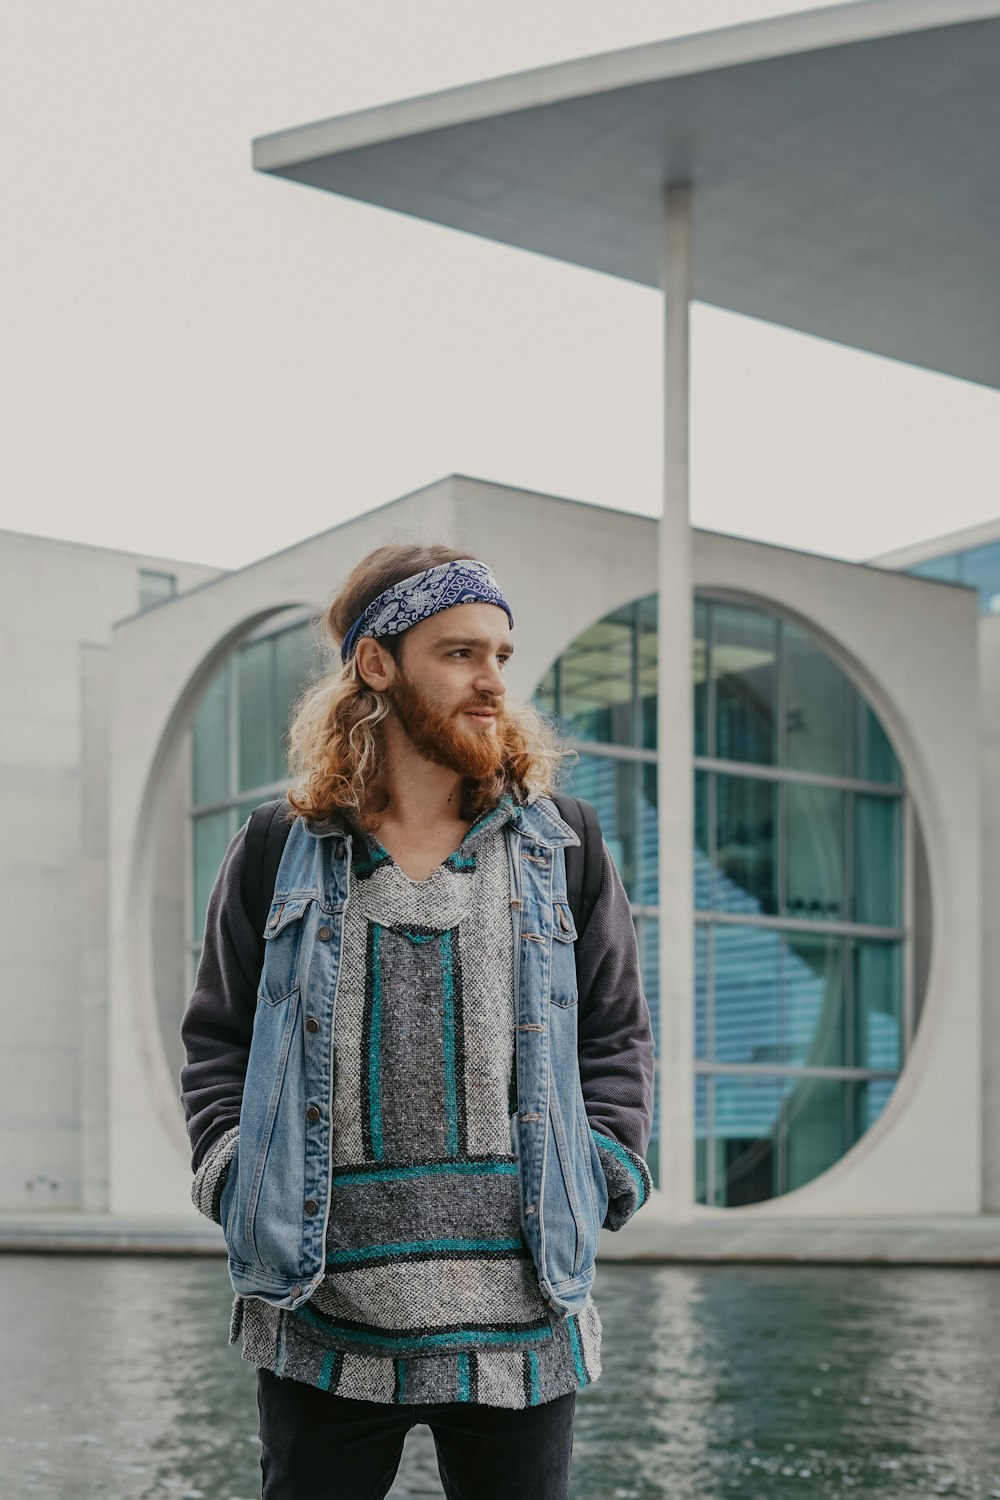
{"x": 493, "y": 703}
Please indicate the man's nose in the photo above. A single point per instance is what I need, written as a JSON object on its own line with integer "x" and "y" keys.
{"x": 491, "y": 680}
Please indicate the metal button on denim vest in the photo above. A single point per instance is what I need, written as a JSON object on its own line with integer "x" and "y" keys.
{"x": 276, "y": 1199}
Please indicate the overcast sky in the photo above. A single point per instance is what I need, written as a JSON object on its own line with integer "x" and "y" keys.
{"x": 205, "y": 363}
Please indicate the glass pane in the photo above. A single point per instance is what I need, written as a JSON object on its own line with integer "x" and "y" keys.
{"x": 869, "y": 1098}
{"x": 874, "y": 757}
{"x": 878, "y": 1004}
{"x": 624, "y": 794}
{"x": 701, "y": 1089}
{"x": 813, "y": 1011}
{"x": 701, "y": 942}
{"x": 295, "y": 662}
{"x": 243, "y": 811}
{"x": 646, "y": 651}
{"x": 877, "y": 862}
{"x": 744, "y": 669}
{"x": 743, "y": 1153}
{"x": 699, "y": 675}
{"x": 746, "y": 994}
{"x": 702, "y": 858}
{"x": 815, "y": 697}
{"x": 648, "y": 936}
{"x": 155, "y": 587}
{"x": 944, "y": 569}
{"x": 596, "y": 681}
{"x": 257, "y": 715}
{"x": 648, "y": 871}
{"x": 814, "y": 822}
{"x": 210, "y": 757}
{"x": 211, "y": 835}
{"x": 745, "y": 874}
{"x": 980, "y": 567}
{"x": 544, "y": 696}
{"x": 816, "y": 1134}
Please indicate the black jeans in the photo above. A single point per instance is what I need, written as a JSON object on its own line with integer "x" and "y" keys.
{"x": 322, "y": 1447}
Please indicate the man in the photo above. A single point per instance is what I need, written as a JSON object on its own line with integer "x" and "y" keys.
{"x": 415, "y": 1098}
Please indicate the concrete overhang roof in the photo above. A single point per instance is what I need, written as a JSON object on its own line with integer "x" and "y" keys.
{"x": 844, "y": 161}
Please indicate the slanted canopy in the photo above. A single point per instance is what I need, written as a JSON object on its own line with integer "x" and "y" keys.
{"x": 844, "y": 164}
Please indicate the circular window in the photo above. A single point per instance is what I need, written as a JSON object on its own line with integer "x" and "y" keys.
{"x": 802, "y": 1018}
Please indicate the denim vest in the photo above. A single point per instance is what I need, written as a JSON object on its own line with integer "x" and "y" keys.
{"x": 276, "y": 1200}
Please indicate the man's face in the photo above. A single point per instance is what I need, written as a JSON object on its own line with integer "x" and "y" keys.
{"x": 448, "y": 688}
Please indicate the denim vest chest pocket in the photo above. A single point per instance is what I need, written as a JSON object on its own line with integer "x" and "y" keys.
{"x": 282, "y": 943}
{"x": 562, "y": 989}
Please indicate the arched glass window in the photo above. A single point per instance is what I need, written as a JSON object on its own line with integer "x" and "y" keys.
{"x": 801, "y": 1013}
{"x": 238, "y": 746}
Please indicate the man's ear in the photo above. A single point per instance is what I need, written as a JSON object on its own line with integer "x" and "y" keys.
{"x": 375, "y": 665}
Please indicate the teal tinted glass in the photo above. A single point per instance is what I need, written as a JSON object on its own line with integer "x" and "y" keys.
{"x": 774, "y": 855}
{"x": 817, "y": 706}
{"x": 699, "y": 675}
{"x": 980, "y": 568}
{"x": 816, "y": 1129}
{"x": 703, "y": 871}
{"x": 877, "y": 872}
{"x": 210, "y": 743}
{"x": 296, "y": 662}
{"x": 745, "y": 981}
{"x": 701, "y": 1139}
{"x": 211, "y": 834}
{"x": 647, "y": 659}
{"x": 597, "y": 690}
{"x": 877, "y": 1020}
{"x": 546, "y": 695}
{"x": 743, "y": 1117}
{"x": 814, "y": 851}
{"x": 813, "y": 1013}
{"x": 743, "y": 661}
{"x": 702, "y": 939}
{"x": 744, "y": 875}
{"x": 874, "y": 757}
{"x": 256, "y": 714}
{"x": 868, "y": 1096}
{"x": 624, "y": 794}
{"x": 648, "y": 936}
{"x": 945, "y": 569}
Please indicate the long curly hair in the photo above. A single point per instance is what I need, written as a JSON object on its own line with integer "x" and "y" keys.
{"x": 335, "y": 742}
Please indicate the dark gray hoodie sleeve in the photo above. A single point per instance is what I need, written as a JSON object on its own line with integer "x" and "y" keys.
{"x": 615, "y": 1046}
{"x": 218, "y": 1023}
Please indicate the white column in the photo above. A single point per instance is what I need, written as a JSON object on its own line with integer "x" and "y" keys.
{"x": 675, "y": 721}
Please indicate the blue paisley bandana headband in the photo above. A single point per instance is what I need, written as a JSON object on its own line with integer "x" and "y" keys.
{"x": 424, "y": 594}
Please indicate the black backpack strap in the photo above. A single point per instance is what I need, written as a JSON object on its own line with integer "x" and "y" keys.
{"x": 584, "y": 861}
{"x": 266, "y": 836}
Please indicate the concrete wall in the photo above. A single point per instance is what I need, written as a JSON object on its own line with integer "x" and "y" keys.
{"x": 910, "y": 644}
{"x": 989, "y": 681}
{"x": 57, "y": 604}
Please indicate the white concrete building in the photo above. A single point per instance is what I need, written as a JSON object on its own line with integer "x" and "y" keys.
{"x": 845, "y": 775}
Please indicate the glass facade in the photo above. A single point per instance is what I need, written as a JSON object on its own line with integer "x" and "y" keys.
{"x": 238, "y": 748}
{"x": 977, "y": 567}
{"x": 798, "y": 879}
{"x": 155, "y": 587}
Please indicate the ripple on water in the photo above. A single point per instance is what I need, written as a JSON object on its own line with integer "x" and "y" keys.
{"x": 769, "y": 1382}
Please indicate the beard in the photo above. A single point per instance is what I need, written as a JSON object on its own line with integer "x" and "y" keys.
{"x": 438, "y": 734}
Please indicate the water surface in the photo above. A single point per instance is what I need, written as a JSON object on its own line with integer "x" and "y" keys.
{"x": 759, "y": 1383}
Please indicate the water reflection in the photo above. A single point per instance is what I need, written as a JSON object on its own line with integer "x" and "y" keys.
{"x": 751, "y": 1382}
